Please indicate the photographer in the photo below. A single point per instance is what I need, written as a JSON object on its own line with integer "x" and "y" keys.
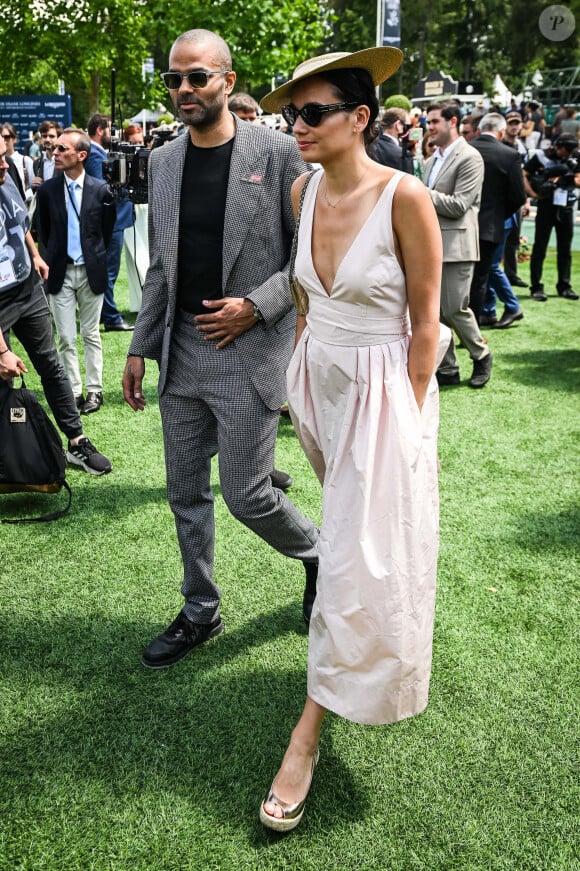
{"x": 390, "y": 148}
{"x": 552, "y": 178}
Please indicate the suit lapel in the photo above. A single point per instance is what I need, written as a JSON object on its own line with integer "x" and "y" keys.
{"x": 61, "y": 213}
{"x": 245, "y": 190}
{"x": 448, "y": 163}
{"x": 168, "y": 185}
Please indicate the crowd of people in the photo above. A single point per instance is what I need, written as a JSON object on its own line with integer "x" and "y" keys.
{"x": 387, "y": 254}
{"x": 541, "y": 149}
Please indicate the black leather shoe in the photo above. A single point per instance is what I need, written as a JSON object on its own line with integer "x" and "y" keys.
{"x": 79, "y": 400}
{"x": 481, "y": 372}
{"x": 487, "y": 321}
{"x": 539, "y": 294}
{"x": 517, "y": 282}
{"x": 447, "y": 380}
{"x": 568, "y": 293}
{"x": 281, "y": 480}
{"x": 309, "y": 590}
{"x": 508, "y": 318}
{"x": 119, "y": 327}
{"x": 177, "y": 640}
{"x": 92, "y": 403}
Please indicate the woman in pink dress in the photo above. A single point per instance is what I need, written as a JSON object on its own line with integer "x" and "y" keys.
{"x": 364, "y": 402}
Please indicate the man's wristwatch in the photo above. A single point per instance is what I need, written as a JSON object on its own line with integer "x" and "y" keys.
{"x": 257, "y": 313}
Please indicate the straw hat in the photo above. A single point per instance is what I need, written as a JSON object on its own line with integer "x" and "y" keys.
{"x": 379, "y": 62}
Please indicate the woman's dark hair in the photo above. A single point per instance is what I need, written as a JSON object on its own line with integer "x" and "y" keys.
{"x": 356, "y": 86}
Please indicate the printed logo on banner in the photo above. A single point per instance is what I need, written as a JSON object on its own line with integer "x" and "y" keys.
{"x": 392, "y": 23}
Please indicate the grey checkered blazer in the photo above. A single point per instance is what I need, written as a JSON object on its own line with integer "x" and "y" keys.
{"x": 258, "y": 230}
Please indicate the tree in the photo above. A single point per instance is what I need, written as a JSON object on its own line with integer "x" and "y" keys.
{"x": 398, "y": 101}
{"x": 80, "y": 42}
{"x": 44, "y": 41}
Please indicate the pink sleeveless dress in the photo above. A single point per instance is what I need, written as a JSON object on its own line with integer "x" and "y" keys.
{"x": 375, "y": 453}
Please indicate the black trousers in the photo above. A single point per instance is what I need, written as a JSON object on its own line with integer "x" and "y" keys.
{"x": 33, "y": 329}
{"x": 548, "y": 217}
{"x": 478, "y": 290}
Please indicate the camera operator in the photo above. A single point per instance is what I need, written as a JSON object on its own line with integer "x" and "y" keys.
{"x": 135, "y": 243}
{"x": 552, "y": 178}
{"x": 390, "y": 148}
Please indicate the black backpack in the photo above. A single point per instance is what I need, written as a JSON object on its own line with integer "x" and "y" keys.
{"x": 31, "y": 453}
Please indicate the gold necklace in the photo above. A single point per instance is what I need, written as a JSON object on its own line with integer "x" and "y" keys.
{"x": 344, "y": 196}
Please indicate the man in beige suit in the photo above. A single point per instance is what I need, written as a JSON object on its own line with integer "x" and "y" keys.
{"x": 454, "y": 176}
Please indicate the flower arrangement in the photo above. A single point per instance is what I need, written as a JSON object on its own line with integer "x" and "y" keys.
{"x": 524, "y": 250}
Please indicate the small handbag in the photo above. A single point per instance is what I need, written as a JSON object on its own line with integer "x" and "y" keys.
{"x": 299, "y": 295}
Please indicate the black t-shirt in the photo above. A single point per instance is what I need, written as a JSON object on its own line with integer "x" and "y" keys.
{"x": 202, "y": 207}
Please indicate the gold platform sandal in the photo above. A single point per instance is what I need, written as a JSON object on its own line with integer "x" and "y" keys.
{"x": 292, "y": 812}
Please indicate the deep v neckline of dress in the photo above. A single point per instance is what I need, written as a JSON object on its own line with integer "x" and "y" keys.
{"x": 352, "y": 244}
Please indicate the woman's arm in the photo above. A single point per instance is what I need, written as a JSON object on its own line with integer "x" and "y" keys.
{"x": 419, "y": 239}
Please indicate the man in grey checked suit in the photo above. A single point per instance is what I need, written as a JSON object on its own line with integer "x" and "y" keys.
{"x": 454, "y": 176}
{"x": 218, "y": 319}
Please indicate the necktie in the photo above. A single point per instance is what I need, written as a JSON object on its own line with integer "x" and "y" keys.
{"x": 74, "y": 249}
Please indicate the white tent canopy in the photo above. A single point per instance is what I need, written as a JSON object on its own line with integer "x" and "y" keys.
{"x": 149, "y": 116}
{"x": 501, "y": 92}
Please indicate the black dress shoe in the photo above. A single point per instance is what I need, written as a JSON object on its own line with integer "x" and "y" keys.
{"x": 508, "y": 318}
{"x": 539, "y": 294}
{"x": 447, "y": 380}
{"x": 517, "y": 282}
{"x": 568, "y": 293}
{"x": 481, "y": 372}
{"x": 92, "y": 403}
{"x": 487, "y": 321}
{"x": 309, "y": 590}
{"x": 177, "y": 641}
{"x": 281, "y": 480}
{"x": 79, "y": 400}
{"x": 119, "y": 327}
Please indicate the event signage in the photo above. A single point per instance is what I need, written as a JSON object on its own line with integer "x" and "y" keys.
{"x": 392, "y": 23}
{"x": 26, "y": 111}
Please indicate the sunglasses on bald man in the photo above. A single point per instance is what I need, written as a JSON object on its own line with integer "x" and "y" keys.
{"x": 196, "y": 78}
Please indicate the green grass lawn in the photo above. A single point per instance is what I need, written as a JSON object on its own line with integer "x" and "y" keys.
{"x": 107, "y": 766}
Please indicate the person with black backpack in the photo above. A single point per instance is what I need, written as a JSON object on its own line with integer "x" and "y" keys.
{"x": 24, "y": 311}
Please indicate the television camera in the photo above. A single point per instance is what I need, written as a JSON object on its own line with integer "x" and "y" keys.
{"x": 126, "y": 166}
{"x": 560, "y": 174}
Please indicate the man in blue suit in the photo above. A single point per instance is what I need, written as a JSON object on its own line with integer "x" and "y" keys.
{"x": 99, "y": 130}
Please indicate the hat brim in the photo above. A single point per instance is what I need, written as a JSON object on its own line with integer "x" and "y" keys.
{"x": 381, "y": 62}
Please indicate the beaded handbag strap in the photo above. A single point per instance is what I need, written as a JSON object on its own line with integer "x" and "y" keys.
{"x": 295, "y": 237}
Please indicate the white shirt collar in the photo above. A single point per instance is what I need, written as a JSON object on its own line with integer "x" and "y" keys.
{"x": 80, "y": 181}
{"x": 443, "y": 155}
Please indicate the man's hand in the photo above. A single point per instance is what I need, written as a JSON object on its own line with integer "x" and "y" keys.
{"x": 41, "y": 267}
{"x": 229, "y": 318}
{"x": 132, "y": 383}
{"x": 11, "y": 366}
